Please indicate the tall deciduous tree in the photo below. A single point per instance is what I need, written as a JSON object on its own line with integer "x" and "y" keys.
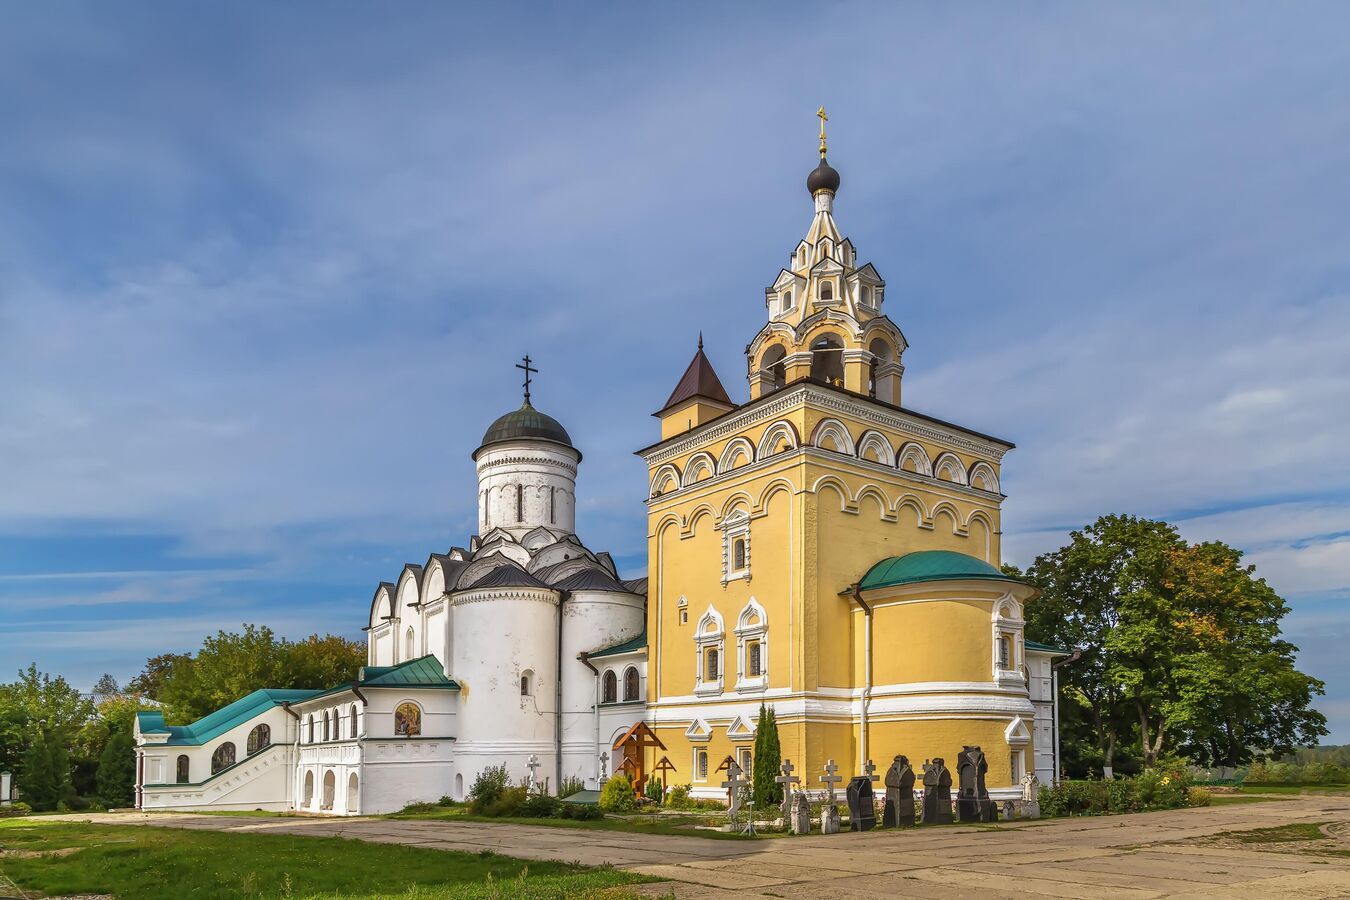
{"x": 36, "y": 697}
{"x": 768, "y": 760}
{"x": 1180, "y": 643}
{"x": 117, "y": 770}
{"x": 232, "y": 664}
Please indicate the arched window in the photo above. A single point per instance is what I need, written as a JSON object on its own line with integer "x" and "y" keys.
{"x": 353, "y": 793}
{"x": 827, "y": 292}
{"x": 407, "y": 720}
{"x": 866, "y": 295}
{"x": 327, "y": 733}
{"x": 772, "y": 362}
{"x": 520, "y": 503}
{"x": 711, "y": 667}
{"x": 827, "y": 359}
{"x": 525, "y": 684}
{"x": 753, "y": 650}
{"x": 353, "y": 722}
{"x": 329, "y": 789}
{"x": 259, "y": 738}
{"x": 1005, "y": 651}
{"x": 611, "y": 687}
{"x": 787, "y": 300}
{"x": 223, "y": 758}
{"x": 738, "y": 554}
{"x": 309, "y": 789}
{"x": 182, "y": 773}
{"x": 409, "y": 644}
{"x": 630, "y": 684}
{"x": 309, "y": 729}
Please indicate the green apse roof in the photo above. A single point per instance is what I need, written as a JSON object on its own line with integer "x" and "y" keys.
{"x": 628, "y": 646}
{"x": 930, "y": 565}
{"x": 422, "y": 672}
{"x": 220, "y": 721}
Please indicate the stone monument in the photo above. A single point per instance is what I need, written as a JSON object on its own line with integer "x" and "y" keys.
{"x": 787, "y": 780}
{"x": 972, "y": 802}
{"x": 829, "y": 811}
{"x": 937, "y": 793}
{"x": 1031, "y": 797}
{"x": 899, "y": 809}
{"x": 801, "y": 813}
{"x": 862, "y": 811}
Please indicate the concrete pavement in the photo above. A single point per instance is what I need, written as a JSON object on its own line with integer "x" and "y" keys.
{"x": 1136, "y": 856}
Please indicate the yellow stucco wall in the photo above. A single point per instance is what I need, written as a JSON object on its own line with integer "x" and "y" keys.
{"x": 818, "y": 520}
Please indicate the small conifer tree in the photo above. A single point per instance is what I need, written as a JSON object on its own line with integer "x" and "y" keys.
{"x": 117, "y": 770}
{"x": 768, "y": 760}
{"x": 45, "y": 779}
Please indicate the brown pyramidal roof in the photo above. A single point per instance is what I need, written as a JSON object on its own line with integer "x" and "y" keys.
{"x": 699, "y": 381}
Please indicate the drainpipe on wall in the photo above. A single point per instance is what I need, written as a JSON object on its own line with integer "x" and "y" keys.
{"x": 867, "y": 666}
{"x": 286, "y": 705}
{"x": 1054, "y": 709}
{"x": 558, "y": 698}
{"x": 586, "y": 661}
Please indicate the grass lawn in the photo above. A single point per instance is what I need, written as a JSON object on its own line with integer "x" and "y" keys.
{"x": 1299, "y": 837}
{"x": 1294, "y": 789}
{"x": 146, "y": 862}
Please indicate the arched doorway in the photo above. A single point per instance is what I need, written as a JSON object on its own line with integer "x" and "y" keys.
{"x": 329, "y": 789}
{"x": 309, "y": 791}
{"x": 353, "y": 794}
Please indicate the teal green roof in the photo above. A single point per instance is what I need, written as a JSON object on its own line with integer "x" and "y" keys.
{"x": 1046, "y": 648}
{"x": 423, "y": 672}
{"x": 637, "y": 643}
{"x": 220, "y": 721}
{"x": 929, "y": 565}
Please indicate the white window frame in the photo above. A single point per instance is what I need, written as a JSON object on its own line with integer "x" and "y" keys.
{"x": 704, "y": 640}
{"x": 736, "y": 526}
{"x": 745, "y": 633}
{"x": 1007, "y": 622}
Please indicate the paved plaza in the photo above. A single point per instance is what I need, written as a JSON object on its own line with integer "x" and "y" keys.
{"x": 1145, "y": 855}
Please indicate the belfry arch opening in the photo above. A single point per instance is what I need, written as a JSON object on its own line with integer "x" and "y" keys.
{"x": 827, "y": 359}
{"x": 772, "y": 362}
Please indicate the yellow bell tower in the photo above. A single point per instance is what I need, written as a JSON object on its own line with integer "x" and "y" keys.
{"x": 827, "y": 551}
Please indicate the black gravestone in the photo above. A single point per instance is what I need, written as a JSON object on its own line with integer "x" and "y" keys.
{"x": 937, "y": 793}
{"x": 899, "y": 809}
{"x": 973, "y": 803}
{"x": 862, "y": 814}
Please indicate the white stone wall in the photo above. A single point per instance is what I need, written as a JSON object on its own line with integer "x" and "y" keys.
{"x": 546, "y": 475}
{"x": 1041, "y": 688}
{"x": 592, "y": 620}
{"x": 261, "y": 781}
{"x": 501, "y": 634}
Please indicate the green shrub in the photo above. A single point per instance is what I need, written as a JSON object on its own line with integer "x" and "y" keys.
{"x": 1155, "y": 789}
{"x": 652, "y": 790}
{"x": 582, "y": 812}
{"x": 15, "y": 809}
{"x": 1199, "y": 797}
{"x": 617, "y": 795}
{"x": 447, "y": 801}
{"x": 487, "y": 788}
{"x": 570, "y": 786}
{"x": 508, "y": 803}
{"x": 539, "y": 806}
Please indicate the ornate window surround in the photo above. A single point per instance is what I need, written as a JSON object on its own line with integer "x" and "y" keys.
{"x": 710, "y": 634}
{"x": 746, "y": 633}
{"x": 735, "y": 526}
{"x": 1007, "y": 622}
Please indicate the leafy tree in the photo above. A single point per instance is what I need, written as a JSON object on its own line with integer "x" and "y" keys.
{"x": 106, "y": 686}
{"x": 117, "y": 770}
{"x": 1180, "y": 645}
{"x": 150, "y": 683}
{"x": 768, "y": 760}
{"x": 44, "y": 780}
{"x": 36, "y": 697}
{"x": 231, "y": 665}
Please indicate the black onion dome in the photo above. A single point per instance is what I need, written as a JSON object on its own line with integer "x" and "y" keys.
{"x": 823, "y": 178}
{"x": 525, "y": 424}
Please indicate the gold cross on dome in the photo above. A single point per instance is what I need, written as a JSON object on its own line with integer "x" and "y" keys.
{"x": 820, "y": 114}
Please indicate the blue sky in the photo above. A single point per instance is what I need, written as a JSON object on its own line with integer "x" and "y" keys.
{"x": 265, "y": 270}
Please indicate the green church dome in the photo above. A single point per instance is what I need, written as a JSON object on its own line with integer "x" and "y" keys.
{"x": 525, "y": 424}
{"x": 929, "y": 565}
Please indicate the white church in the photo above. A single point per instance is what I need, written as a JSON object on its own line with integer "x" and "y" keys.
{"x": 525, "y": 648}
